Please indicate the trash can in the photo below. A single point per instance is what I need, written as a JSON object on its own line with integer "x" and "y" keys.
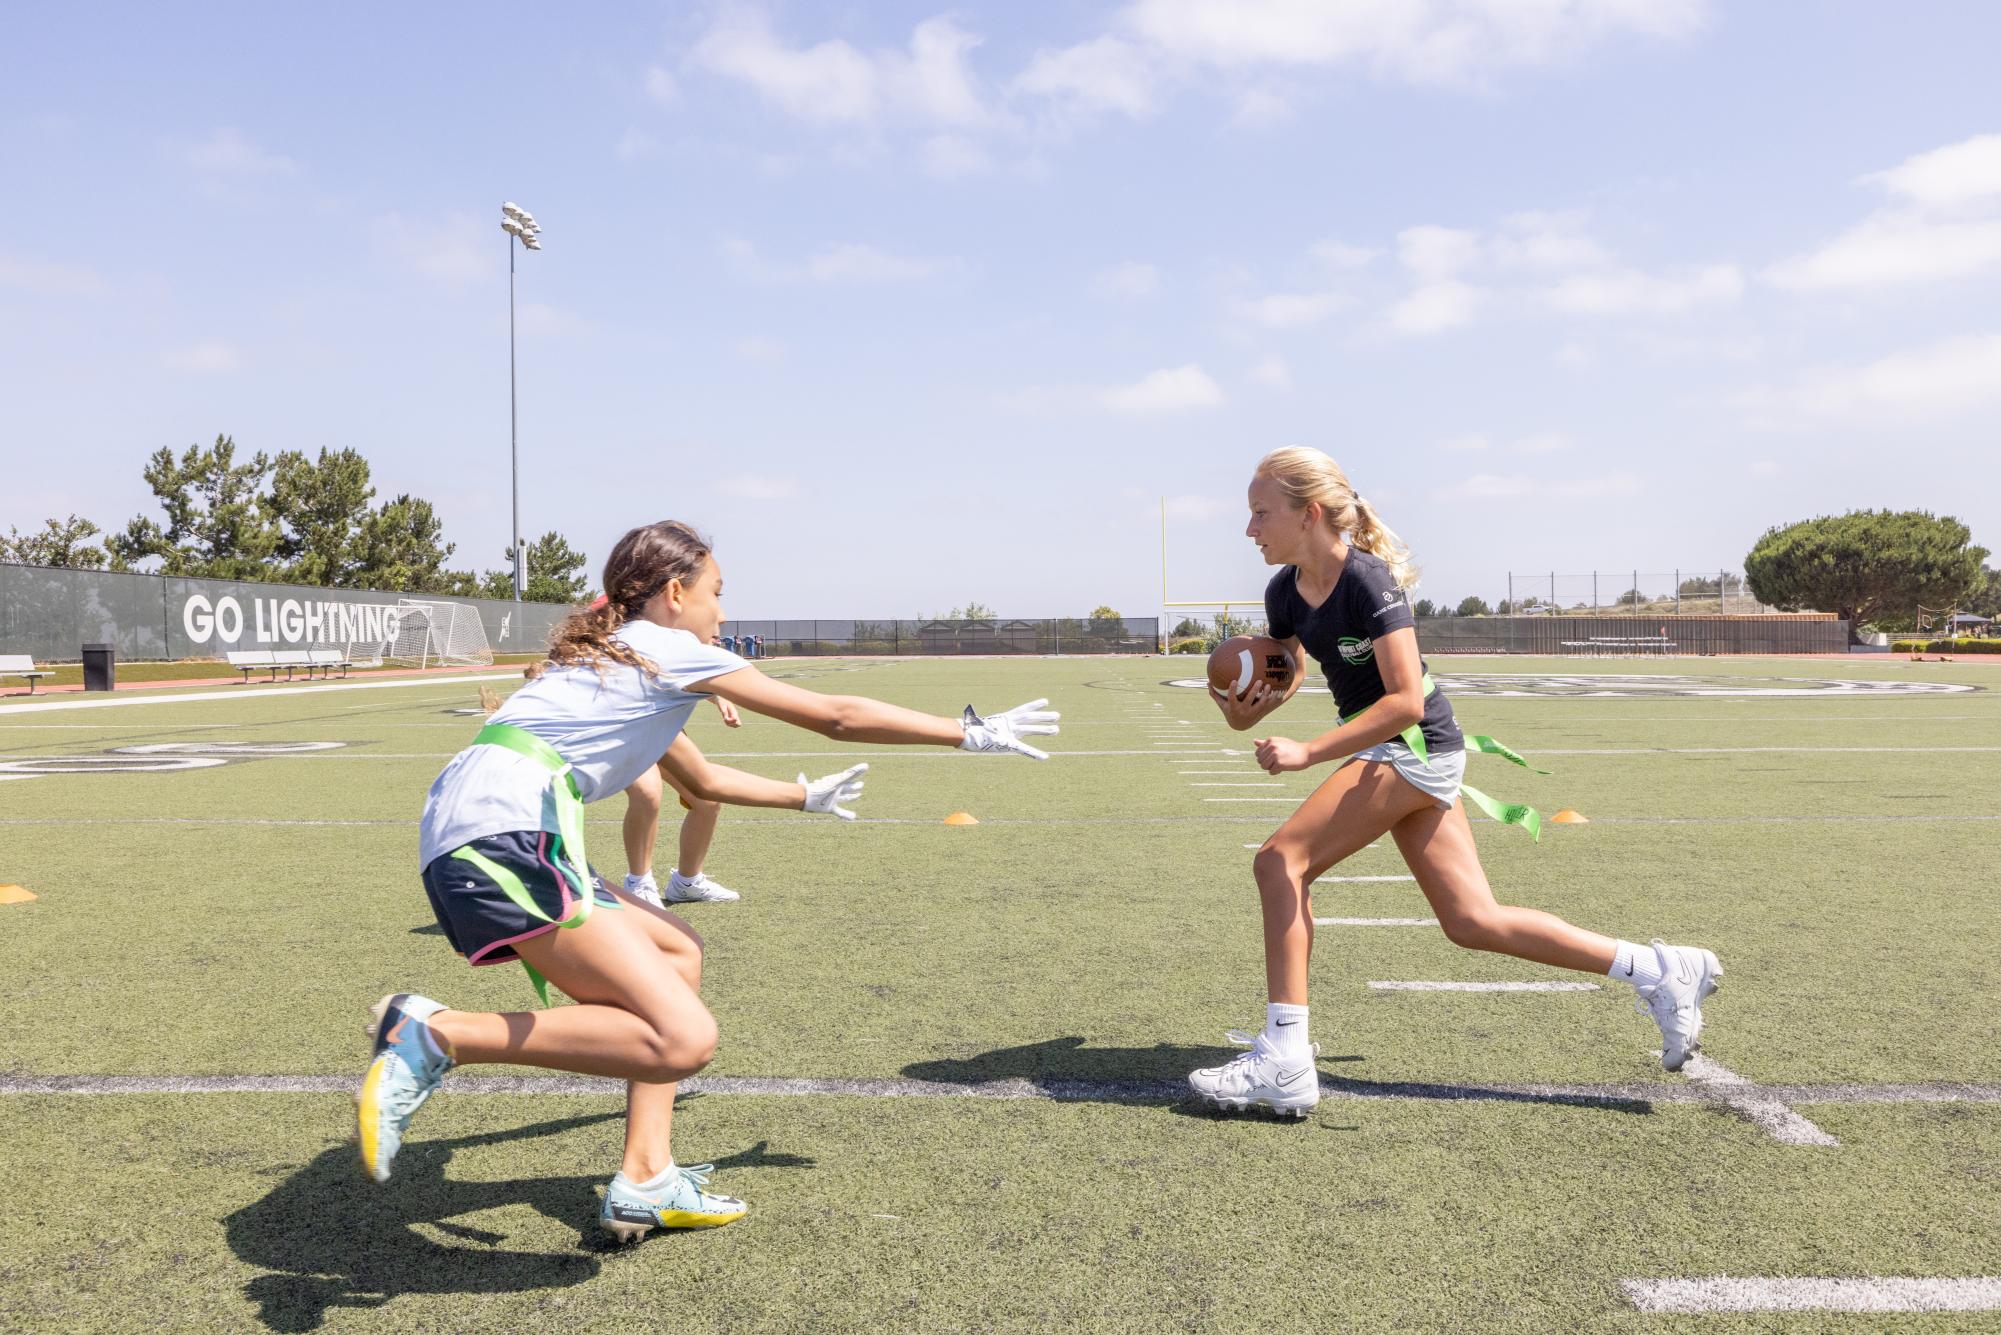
{"x": 100, "y": 667}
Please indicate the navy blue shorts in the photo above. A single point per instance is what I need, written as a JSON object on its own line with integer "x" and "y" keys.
{"x": 479, "y": 919}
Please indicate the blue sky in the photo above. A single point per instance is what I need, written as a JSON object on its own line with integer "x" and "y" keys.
{"x": 909, "y": 305}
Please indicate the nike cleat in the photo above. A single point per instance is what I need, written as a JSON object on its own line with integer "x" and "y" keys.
{"x": 644, "y": 889}
{"x": 1259, "y": 1078}
{"x": 629, "y": 1214}
{"x": 409, "y": 1062}
{"x": 697, "y": 889}
{"x": 1688, "y": 975}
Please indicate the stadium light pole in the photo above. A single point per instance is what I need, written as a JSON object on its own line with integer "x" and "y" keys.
{"x": 520, "y": 225}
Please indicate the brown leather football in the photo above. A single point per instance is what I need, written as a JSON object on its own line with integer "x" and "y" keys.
{"x": 1240, "y": 661}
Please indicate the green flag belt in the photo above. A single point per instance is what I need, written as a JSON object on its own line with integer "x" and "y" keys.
{"x": 567, "y": 855}
{"x": 1508, "y": 813}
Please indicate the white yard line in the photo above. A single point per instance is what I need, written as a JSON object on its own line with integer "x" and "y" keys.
{"x": 1754, "y": 1105}
{"x": 1359, "y": 880}
{"x": 1375, "y": 922}
{"x": 1859, "y": 1293}
{"x": 1483, "y": 987}
{"x": 243, "y": 693}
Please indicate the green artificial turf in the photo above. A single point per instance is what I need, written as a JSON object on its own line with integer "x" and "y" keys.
{"x": 1098, "y": 924}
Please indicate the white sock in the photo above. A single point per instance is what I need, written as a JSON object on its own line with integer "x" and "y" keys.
{"x": 676, "y": 878}
{"x": 633, "y": 880}
{"x": 1285, "y": 1029}
{"x": 656, "y": 1183}
{"x": 1638, "y": 965}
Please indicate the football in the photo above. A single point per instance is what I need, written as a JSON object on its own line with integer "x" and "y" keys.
{"x": 1241, "y": 660}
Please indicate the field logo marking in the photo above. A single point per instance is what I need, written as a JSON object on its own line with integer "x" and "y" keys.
{"x": 1635, "y": 686}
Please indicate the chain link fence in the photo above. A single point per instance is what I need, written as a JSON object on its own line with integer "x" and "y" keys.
{"x": 1627, "y": 593}
{"x": 948, "y": 636}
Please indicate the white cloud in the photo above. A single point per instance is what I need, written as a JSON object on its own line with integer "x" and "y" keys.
{"x": 1289, "y": 310}
{"x": 1522, "y": 486}
{"x": 1433, "y": 253}
{"x": 1105, "y": 74}
{"x": 1548, "y": 241}
{"x": 847, "y": 263}
{"x": 1435, "y": 308}
{"x": 952, "y": 156}
{"x": 1425, "y": 41}
{"x": 759, "y": 486}
{"x": 210, "y": 356}
{"x": 1943, "y": 223}
{"x": 660, "y": 85}
{"x": 1342, "y": 256}
{"x": 841, "y": 262}
{"x": 1274, "y": 372}
{"x": 1168, "y": 390}
{"x": 1946, "y": 178}
{"x": 446, "y": 250}
{"x": 1544, "y": 442}
{"x": 1627, "y": 291}
{"x": 635, "y": 144}
{"x": 760, "y": 348}
{"x": 833, "y": 82}
{"x": 1894, "y": 247}
{"x": 1938, "y": 380}
{"x": 228, "y": 152}
{"x": 50, "y": 278}
{"x": 1131, "y": 279}
{"x": 1193, "y": 509}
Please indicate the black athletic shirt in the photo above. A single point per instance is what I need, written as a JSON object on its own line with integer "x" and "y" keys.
{"x": 1341, "y": 635}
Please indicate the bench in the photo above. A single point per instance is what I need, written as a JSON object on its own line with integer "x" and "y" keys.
{"x": 1613, "y": 646}
{"x": 328, "y": 659}
{"x": 322, "y": 661}
{"x": 23, "y": 665}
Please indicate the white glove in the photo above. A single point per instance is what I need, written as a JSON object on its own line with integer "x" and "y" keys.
{"x": 1003, "y": 732}
{"x": 827, "y": 794}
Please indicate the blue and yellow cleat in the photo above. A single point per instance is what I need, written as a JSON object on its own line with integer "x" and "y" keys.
{"x": 409, "y": 1062}
{"x": 675, "y": 1199}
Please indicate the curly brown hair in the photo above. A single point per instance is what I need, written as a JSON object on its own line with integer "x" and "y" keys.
{"x": 640, "y": 566}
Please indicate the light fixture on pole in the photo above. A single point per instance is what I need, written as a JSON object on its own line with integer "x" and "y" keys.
{"x": 520, "y": 225}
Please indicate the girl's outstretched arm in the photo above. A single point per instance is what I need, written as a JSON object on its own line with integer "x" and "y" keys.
{"x": 856, "y": 718}
{"x": 719, "y": 783}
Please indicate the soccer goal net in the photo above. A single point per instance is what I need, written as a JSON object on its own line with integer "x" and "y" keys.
{"x": 437, "y": 634}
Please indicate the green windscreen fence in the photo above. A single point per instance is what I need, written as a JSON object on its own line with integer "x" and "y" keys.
{"x": 1000, "y": 635}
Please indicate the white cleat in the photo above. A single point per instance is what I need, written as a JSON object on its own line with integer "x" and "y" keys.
{"x": 642, "y": 888}
{"x": 1689, "y": 975}
{"x": 697, "y": 889}
{"x": 1259, "y": 1079}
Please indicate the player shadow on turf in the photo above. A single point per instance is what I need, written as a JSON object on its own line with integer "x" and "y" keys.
{"x": 1065, "y": 1070}
{"x": 326, "y": 1237}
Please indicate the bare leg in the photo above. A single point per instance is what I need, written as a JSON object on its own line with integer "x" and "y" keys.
{"x": 698, "y": 828}
{"x": 642, "y": 821}
{"x": 1345, "y": 814}
{"x": 632, "y": 973}
{"x": 1438, "y": 846}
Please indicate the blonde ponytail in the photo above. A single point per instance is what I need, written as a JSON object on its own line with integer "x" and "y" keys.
{"x": 1307, "y": 476}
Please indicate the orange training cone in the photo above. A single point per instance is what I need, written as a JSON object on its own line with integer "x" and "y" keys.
{"x": 1569, "y": 817}
{"x": 14, "y": 894}
{"x": 962, "y": 818}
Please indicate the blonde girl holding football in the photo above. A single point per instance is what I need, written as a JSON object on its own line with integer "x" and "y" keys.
{"x": 1399, "y": 760}
{"x": 501, "y": 847}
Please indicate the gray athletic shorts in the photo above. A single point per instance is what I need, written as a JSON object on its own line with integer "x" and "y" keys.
{"x": 1439, "y": 779}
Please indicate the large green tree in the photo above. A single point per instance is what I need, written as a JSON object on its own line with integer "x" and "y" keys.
{"x": 64, "y": 543}
{"x": 554, "y": 573}
{"x": 1865, "y": 565}
{"x": 400, "y": 548}
{"x": 322, "y": 510}
{"x": 219, "y": 522}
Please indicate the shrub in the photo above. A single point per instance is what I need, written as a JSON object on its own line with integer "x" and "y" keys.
{"x": 1965, "y": 644}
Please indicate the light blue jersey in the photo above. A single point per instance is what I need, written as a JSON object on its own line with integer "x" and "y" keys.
{"x": 610, "y": 724}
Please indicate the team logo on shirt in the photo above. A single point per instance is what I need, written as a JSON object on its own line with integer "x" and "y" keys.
{"x": 1355, "y": 652}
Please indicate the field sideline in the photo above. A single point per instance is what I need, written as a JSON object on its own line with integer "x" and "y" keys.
{"x": 948, "y": 1074}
